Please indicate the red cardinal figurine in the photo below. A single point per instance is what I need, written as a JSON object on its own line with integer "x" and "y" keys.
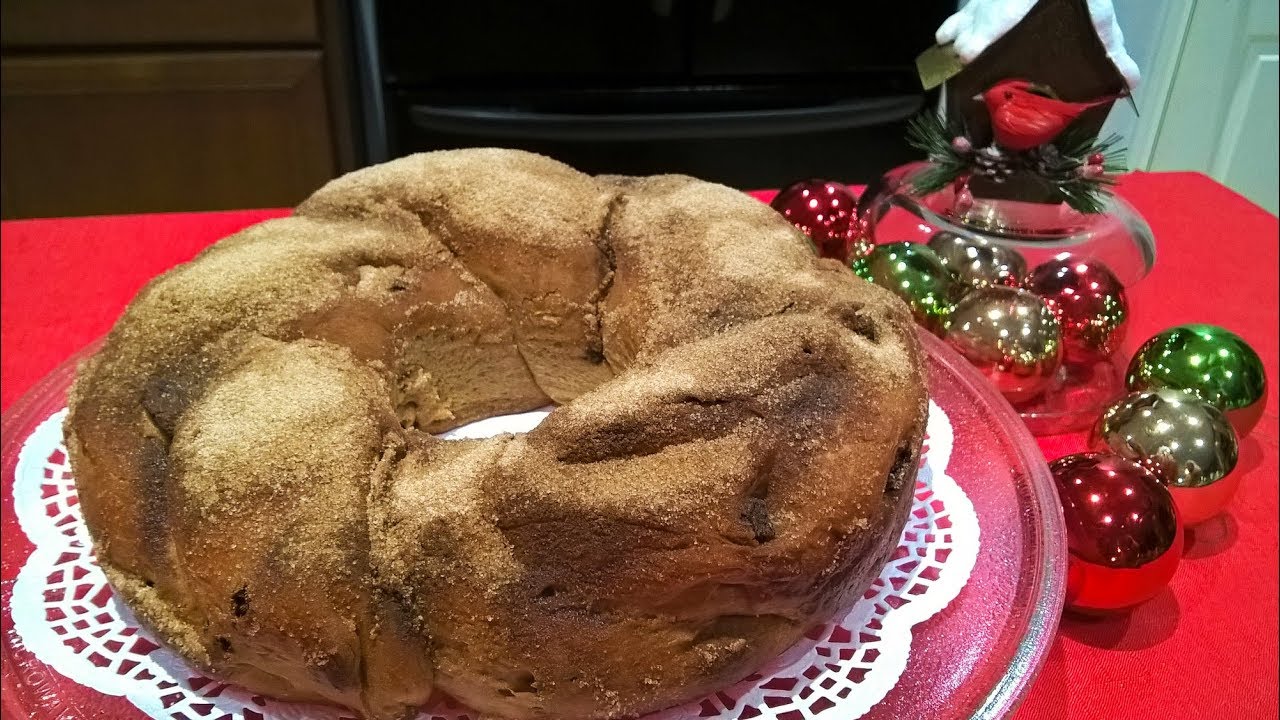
{"x": 1023, "y": 119}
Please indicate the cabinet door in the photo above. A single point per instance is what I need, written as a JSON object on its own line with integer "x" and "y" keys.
{"x": 89, "y": 134}
{"x": 62, "y": 23}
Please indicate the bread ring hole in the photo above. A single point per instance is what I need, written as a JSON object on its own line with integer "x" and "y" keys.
{"x": 224, "y": 644}
{"x": 549, "y": 591}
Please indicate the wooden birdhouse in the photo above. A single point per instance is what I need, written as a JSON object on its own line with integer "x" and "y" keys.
{"x": 1058, "y": 44}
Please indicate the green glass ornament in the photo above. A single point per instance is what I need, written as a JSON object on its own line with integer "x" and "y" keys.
{"x": 916, "y": 274}
{"x": 1208, "y": 361}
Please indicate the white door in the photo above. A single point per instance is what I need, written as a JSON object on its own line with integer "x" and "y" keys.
{"x": 1216, "y": 112}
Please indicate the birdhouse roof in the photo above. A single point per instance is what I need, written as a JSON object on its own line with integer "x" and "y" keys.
{"x": 975, "y": 28}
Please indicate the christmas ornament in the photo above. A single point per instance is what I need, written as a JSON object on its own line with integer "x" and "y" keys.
{"x": 1089, "y": 302}
{"x": 1185, "y": 442}
{"x": 1025, "y": 115}
{"x": 1213, "y": 363}
{"x": 1124, "y": 537}
{"x": 914, "y": 273}
{"x": 977, "y": 261}
{"x": 1054, "y": 168}
{"x": 1010, "y": 336}
{"x": 825, "y": 211}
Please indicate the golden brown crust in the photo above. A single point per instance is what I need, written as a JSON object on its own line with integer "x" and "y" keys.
{"x": 733, "y": 457}
{"x": 527, "y": 227}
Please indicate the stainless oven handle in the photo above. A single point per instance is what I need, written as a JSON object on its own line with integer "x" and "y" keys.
{"x": 526, "y": 125}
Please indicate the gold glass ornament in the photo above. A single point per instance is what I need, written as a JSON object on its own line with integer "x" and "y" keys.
{"x": 1187, "y": 443}
{"x": 979, "y": 262}
{"x": 1010, "y": 336}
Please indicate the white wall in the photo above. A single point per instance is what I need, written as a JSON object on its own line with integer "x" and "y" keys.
{"x": 1214, "y": 81}
{"x": 1142, "y": 22}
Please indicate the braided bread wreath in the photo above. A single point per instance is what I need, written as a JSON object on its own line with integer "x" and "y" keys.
{"x": 732, "y": 458}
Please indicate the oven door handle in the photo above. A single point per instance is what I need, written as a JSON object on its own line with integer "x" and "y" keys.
{"x": 524, "y": 125}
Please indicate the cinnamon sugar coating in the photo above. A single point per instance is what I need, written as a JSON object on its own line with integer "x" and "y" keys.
{"x": 732, "y": 458}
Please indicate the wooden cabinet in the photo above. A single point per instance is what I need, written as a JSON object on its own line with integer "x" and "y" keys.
{"x": 179, "y": 110}
{"x": 84, "y": 23}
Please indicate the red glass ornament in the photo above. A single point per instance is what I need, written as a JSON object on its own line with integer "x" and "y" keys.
{"x": 826, "y": 212}
{"x": 1097, "y": 159}
{"x": 1090, "y": 304}
{"x": 1124, "y": 536}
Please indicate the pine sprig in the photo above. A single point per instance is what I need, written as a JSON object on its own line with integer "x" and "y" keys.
{"x": 1089, "y": 194}
{"x": 927, "y": 133}
{"x": 1058, "y": 164}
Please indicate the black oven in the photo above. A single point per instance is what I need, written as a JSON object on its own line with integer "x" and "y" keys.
{"x": 751, "y": 93}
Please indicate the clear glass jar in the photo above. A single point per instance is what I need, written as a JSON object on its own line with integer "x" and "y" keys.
{"x": 891, "y": 210}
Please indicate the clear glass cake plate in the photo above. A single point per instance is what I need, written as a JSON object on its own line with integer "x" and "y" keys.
{"x": 976, "y": 658}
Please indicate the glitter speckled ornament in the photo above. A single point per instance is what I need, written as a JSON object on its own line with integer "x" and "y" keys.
{"x": 1010, "y": 336}
{"x": 1089, "y": 302}
{"x": 914, "y": 273}
{"x": 1185, "y": 442}
{"x": 1124, "y": 537}
{"x": 977, "y": 261}
{"x": 1215, "y": 364}
{"x": 826, "y": 212}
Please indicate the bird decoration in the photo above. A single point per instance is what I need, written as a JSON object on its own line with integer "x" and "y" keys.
{"x": 1035, "y": 142}
{"x": 1025, "y": 115}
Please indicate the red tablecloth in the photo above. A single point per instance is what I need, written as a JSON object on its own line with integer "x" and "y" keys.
{"x": 1205, "y": 648}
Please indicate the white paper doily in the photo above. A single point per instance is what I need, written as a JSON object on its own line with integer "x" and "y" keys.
{"x": 65, "y": 613}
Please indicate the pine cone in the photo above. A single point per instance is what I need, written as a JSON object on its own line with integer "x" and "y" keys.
{"x": 991, "y": 162}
